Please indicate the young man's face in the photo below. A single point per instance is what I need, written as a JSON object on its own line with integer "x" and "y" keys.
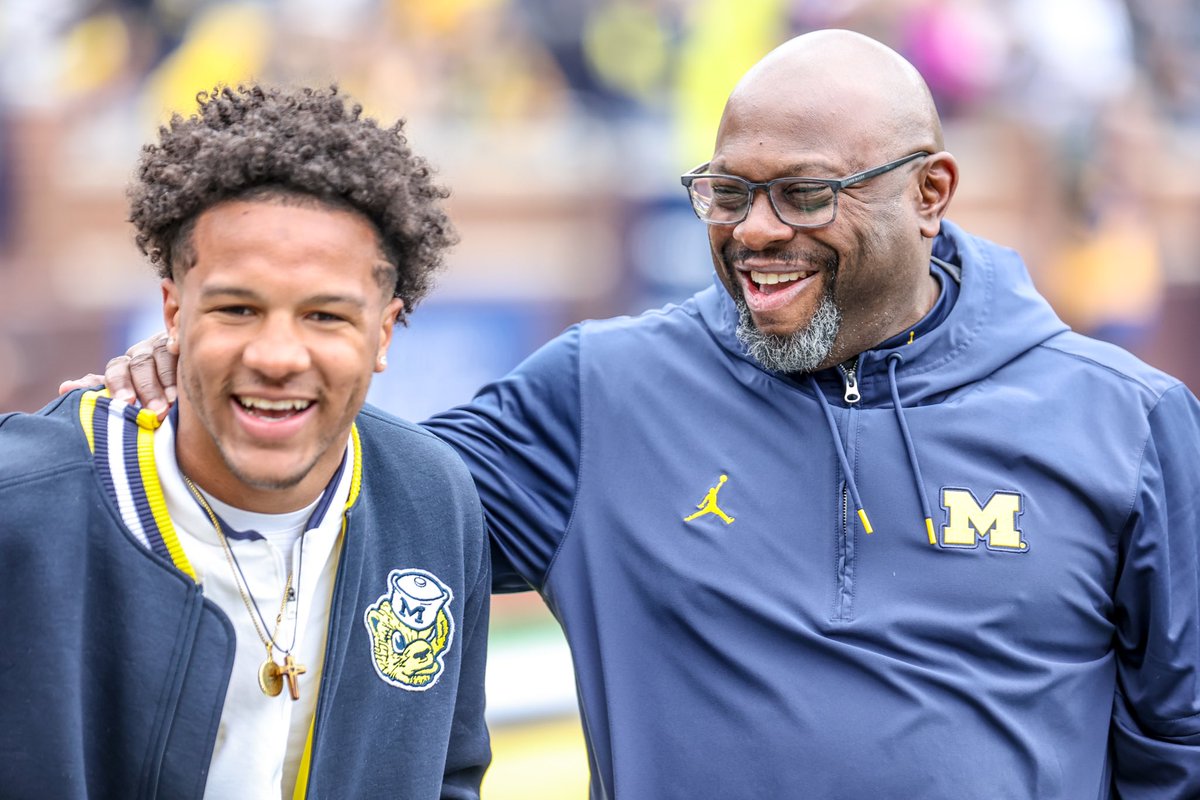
{"x": 278, "y": 326}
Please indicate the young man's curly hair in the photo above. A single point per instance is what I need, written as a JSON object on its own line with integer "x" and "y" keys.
{"x": 303, "y": 146}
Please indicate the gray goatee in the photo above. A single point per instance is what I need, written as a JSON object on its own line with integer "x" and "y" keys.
{"x": 803, "y": 350}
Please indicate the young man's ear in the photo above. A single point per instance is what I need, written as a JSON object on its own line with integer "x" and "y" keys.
{"x": 170, "y": 292}
{"x": 388, "y": 325}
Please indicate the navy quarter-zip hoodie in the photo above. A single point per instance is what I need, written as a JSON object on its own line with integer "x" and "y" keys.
{"x": 1023, "y": 621}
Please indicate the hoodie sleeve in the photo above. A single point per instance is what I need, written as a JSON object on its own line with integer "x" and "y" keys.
{"x": 1155, "y": 735}
{"x": 520, "y": 439}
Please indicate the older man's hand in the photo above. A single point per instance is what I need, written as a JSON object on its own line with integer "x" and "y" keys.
{"x": 145, "y": 374}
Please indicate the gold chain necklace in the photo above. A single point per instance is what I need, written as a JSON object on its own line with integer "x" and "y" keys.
{"x": 270, "y": 674}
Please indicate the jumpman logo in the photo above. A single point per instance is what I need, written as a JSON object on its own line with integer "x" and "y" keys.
{"x": 709, "y": 504}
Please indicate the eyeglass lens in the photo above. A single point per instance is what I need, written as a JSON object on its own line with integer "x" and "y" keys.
{"x": 798, "y": 202}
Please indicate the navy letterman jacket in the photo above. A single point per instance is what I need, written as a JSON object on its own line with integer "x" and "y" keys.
{"x": 113, "y": 665}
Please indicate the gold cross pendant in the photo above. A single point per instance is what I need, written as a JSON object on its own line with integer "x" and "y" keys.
{"x": 291, "y": 671}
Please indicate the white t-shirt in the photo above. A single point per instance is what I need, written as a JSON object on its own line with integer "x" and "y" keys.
{"x": 261, "y": 739}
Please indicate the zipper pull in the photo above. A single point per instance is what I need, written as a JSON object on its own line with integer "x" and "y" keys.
{"x": 850, "y": 378}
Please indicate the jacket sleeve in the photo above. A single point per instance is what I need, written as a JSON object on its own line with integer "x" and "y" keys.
{"x": 520, "y": 439}
{"x": 470, "y": 748}
{"x": 1155, "y": 732}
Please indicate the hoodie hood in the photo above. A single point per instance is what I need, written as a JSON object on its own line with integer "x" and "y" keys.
{"x": 998, "y": 316}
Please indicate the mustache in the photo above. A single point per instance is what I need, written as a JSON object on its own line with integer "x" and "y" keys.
{"x": 734, "y": 254}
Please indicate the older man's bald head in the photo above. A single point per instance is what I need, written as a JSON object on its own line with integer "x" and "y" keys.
{"x": 845, "y": 88}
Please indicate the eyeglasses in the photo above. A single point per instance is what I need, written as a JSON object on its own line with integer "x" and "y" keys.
{"x": 799, "y": 202}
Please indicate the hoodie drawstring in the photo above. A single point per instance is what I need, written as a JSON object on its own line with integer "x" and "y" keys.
{"x": 893, "y": 361}
{"x": 841, "y": 454}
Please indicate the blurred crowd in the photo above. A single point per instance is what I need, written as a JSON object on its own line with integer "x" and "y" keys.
{"x": 561, "y": 126}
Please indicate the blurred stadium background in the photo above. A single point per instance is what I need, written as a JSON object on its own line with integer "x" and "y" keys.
{"x": 561, "y": 126}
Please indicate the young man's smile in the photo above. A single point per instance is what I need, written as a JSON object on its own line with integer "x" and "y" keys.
{"x": 266, "y": 418}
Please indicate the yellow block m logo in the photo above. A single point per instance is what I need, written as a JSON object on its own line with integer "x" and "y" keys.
{"x": 996, "y": 521}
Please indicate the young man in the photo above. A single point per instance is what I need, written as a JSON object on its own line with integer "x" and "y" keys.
{"x": 864, "y": 519}
{"x": 274, "y": 591}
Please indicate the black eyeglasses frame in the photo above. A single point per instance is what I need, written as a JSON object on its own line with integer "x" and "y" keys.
{"x": 834, "y": 184}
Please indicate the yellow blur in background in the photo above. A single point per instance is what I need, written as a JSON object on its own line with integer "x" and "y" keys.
{"x": 543, "y": 760}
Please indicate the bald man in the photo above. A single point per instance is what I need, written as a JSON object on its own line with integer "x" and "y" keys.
{"x": 956, "y": 553}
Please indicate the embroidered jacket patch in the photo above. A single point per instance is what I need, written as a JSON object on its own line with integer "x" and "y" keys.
{"x": 995, "y": 522}
{"x": 411, "y": 627}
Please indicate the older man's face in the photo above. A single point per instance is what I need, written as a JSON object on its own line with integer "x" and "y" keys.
{"x": 844, "y": 274}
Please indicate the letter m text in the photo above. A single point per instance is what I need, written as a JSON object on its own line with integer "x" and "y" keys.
{"x": 995, "y": 521}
